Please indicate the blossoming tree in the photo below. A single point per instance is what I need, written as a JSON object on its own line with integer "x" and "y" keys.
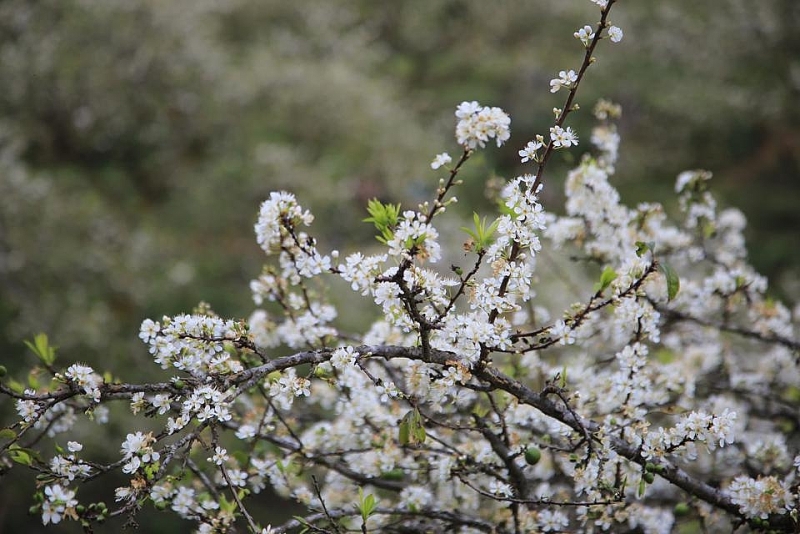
{"x": 665, "y": 395}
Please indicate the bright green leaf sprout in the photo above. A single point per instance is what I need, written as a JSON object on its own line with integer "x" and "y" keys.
{"x": 481, "y": 235}
{"x": 606, "y": 277}
{"x": 42, "y": 349}
{"x": 385, "y": 218}
{"x": 366, "y": 504}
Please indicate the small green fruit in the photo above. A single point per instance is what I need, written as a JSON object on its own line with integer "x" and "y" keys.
{"x": 533, "y": 455}
{"x": 681, "y": 509}
{"x": 648, "y": 477}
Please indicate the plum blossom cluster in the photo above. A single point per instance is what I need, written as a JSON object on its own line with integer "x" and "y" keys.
{"x": 280, "y": 211}
{"x": 55, "y": 419}
{"x": 137, "y": 451}
{"x": 478, "y": 124}
{"x": 59, "y": 502}
{"x": 194, "y": 344}
{"x": 278, "y": 232}
{"x": 289, "y": 386}
{"x": 189, "y": 504}
{"x": 524, "y": 221}
{"x": 761, "y": 497}
{"x": 563, "y": 137}
{"x": 205, "y": 402}
{"x": 86, "y": 379}
{"x": 601, "y": 370}
{"x": 414, "y": 236}
{"x": 28, "y": 410}
{"x": 277, "y": 229}
{"x": 712, "y": 430}
{"x": 69, "y": 466}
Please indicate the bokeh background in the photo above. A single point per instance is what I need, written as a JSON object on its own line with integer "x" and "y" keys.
{"x": 138, "y": 138}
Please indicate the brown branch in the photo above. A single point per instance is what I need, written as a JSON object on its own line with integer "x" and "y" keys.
{"x": 451, "y": 518}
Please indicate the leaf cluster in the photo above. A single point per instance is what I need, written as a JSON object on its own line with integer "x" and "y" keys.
{"x": 385, "y": 218}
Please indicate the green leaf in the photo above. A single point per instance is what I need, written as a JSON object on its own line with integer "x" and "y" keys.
{"x": 7, "y": 433}
{"x": 366, "y": 504}
{"x": 227, "y": 505}
{"x": 385, "y": 218}
{"x": 151, "y": 470}
{"x": 42, "y": 349}
{"x": 642, "y": 248}
{"x": 16, "y": 386}
{"x": 404, "y": 432}
{"x": 419, "y": 435}
{"x": 20, "y": 455}
{"x": 369, "y": 503}
{"x": 33, "y": 380}
{"x": 411, "y": 430}
{"x": 673, "y": 281}
{"x": 480, "y": 410}
{"x": 481, "y": 234}
{"x": 606, "y": 277}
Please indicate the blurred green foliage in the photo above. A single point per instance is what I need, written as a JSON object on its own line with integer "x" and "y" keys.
{"x": 137, "y": 138}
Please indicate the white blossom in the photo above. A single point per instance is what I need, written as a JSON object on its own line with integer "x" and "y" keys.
{"x": 476, "y": 125}
{"x": 530, "y": 151}
{"x": 566, "y": 79}
{"x": 441, "y": 160}
{"x": 563, "y": 137}
{"x": 585, "y": 35}
{"x": 615, "y": 34}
